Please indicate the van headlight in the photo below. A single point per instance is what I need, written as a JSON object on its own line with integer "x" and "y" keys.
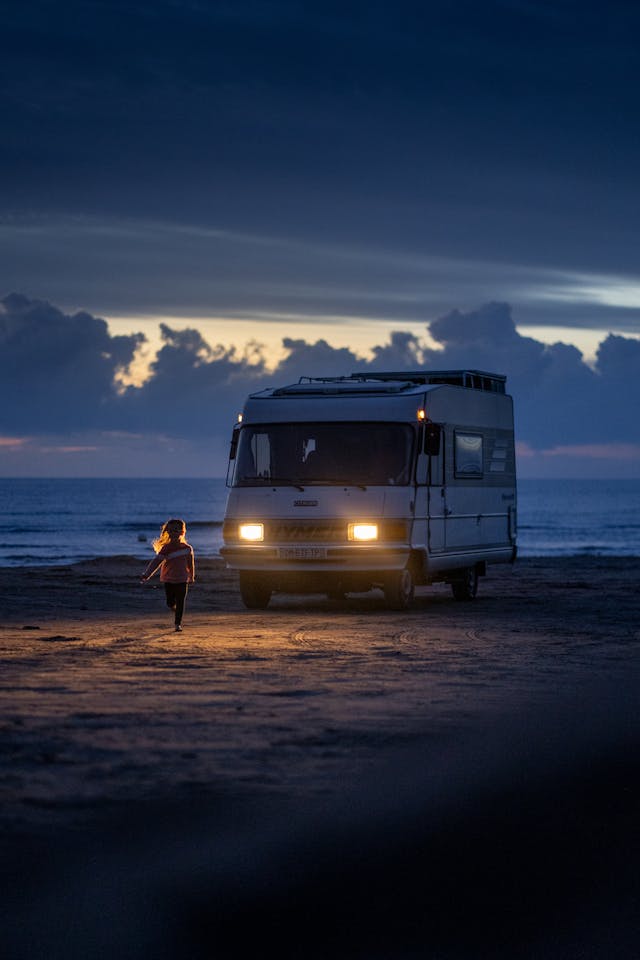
{"x": 363, "y": 531}
{"x": 251, "y": 531}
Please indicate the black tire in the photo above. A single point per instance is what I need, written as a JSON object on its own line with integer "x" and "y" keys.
{"x": 465, "y": 587}
{"x": 254, "y": 590}
{"x": 398, "y": 589}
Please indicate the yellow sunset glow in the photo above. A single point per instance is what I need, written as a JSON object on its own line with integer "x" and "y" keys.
{"x": 358, "y": 334}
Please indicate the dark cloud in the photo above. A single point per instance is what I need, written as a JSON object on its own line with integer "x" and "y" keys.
{"x": 132, "y": 267}
{"x": 490, "y": 326}
{"x": 553, "y": 388}
{"x": 618, "y": 360}
{"x": 403, "y": 352}
{"x": 194, "y": 389}
{"x": 313, "y": 360}
{"x": 559, "y": 399}
{"x": 60, "y": 375}
{"x": 618, "y": 364}
{"x": 503, "y": 127}
{"x": 59, "y": 371}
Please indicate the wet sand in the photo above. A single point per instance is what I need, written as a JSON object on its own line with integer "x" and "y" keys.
{"x": 262, "y": 730}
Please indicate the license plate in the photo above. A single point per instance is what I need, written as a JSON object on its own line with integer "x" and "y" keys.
{"x": 302, "y": 553}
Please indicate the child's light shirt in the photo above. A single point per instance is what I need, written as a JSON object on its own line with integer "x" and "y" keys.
{"x": 178, "y": 564}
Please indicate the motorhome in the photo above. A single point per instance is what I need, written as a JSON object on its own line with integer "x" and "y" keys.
{"x": 375, "y": 480}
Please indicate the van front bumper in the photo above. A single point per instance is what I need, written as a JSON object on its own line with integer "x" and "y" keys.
{"x": 288, "y": 558}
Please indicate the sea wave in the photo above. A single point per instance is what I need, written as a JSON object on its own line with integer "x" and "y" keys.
{"x": 67, "y": 521}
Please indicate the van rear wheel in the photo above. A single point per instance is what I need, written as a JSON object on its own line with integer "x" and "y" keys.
{"x": 254, "y": 590}
{"x": 398, "y": 589}
{"x": 465, "y": 587}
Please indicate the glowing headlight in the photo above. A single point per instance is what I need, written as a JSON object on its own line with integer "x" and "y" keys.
{"x": 251, "y": 531}
{"x": 363, "y": 531}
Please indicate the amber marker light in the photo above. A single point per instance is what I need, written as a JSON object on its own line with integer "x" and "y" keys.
{"x": 363, "y": 531}
{"x": 421, "y": 415}
{"x": 251, "y": 531}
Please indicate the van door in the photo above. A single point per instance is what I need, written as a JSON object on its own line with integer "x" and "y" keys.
{"x": 437, "y": 499}
{"x": 467, "y": 494}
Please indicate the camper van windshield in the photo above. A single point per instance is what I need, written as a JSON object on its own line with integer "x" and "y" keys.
{"x": 294, "y": 453}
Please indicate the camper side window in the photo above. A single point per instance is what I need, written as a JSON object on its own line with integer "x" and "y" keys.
{"x": 468, "y": 455}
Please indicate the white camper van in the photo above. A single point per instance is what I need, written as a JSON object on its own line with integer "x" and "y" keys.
{"x": 343, "y": 484}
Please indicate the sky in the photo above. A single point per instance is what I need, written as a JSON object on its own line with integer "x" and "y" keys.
{"x": 201, "y": 199}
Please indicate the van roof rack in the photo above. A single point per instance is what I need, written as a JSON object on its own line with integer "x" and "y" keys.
{"x": 366, "y": 382}
{"x": 326, "y": 386}
{"x": 472, "y": 379}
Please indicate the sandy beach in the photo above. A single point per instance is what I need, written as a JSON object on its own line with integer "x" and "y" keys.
{"x": 181, "y": 770}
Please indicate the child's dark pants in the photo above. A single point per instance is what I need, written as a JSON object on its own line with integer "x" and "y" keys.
{"x": 176, "y": 594}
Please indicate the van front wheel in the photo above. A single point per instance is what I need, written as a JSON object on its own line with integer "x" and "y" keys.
{"x": 465, "y": 586}
{"x": 398, "y": 589}
{"x": 254, "y": 590}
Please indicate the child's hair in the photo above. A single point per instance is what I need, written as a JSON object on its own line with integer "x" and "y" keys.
{"x": 165, "y": 533}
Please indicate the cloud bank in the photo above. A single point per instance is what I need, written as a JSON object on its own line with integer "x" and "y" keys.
{"x": 60, "y": 371}
{"x": 508, "y": 126}
{"x": 62, "y": 377}
{"x": 165, "y": 268}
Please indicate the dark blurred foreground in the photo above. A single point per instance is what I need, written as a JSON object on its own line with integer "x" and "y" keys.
{"x": 521, "y": 842}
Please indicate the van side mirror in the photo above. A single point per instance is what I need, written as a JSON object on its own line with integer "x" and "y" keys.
{"x": 432, "y": 439}
{"x": 233, "y": 449}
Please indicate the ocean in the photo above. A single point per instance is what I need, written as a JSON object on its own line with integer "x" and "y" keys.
{"x": 65, "y": 521}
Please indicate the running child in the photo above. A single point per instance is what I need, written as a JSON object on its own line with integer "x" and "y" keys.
{"x": 177, "y": 566}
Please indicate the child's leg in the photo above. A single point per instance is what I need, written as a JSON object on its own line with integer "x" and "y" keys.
{"x": 169, "y": 592}
{"x": 180, "y": 594}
